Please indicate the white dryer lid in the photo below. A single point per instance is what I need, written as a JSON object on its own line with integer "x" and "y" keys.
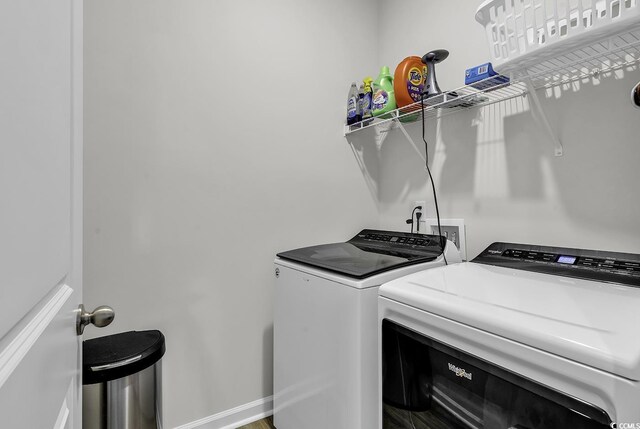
{"x": 594, "y": 323}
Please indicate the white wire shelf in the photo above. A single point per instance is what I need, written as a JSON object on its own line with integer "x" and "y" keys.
{"x": 534, "y": 38}
{"x": 446, "y": 103}
{"x": 608, "y": 54}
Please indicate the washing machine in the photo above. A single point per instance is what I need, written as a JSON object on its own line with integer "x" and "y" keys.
{"x": 523, "y": 336}
{"x": 325, "y": 324}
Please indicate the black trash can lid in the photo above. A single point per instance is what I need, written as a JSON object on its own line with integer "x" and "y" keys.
{"x": 116, "y": 356}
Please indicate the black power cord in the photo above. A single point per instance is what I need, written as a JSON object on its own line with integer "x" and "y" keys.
{"x": 433, "y": 186}
{"x": 413, "y": 213}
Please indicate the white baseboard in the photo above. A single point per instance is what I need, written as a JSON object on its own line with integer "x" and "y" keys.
{"x": 235, "y": 417}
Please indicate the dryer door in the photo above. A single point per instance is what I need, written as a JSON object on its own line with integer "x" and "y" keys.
{"x": 429, "y": 385}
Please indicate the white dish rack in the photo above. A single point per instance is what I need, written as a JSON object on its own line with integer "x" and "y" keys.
{"x": 551, "y": 41}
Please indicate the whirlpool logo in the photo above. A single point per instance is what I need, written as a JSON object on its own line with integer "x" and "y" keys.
{"x": 460, "y": 372}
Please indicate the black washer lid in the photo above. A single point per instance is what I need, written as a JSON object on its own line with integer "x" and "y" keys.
{"x": 369, "y": 253}
{"x": 116, "y": 356}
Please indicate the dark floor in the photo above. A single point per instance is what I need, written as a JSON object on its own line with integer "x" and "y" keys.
{"x": 266, "y": 423}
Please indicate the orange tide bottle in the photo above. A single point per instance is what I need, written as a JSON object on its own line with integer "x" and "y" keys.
{"x": 408, "y": 84}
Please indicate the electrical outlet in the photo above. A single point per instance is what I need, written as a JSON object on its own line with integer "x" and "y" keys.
{"x": 453, "y": 230}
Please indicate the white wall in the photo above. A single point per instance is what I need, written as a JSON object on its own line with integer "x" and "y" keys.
{"x": 213, "y": 140}
{"x": 494, "y": 167}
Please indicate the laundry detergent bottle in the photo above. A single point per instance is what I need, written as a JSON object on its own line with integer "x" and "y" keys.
{"x": 367, "y": 93}
{"x": 408, "y": 83}
{"x": 353, "y": 114}
{"x": 384, "y": 99}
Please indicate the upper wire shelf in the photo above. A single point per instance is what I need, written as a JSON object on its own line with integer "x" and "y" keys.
{"x": 561, "y": 66}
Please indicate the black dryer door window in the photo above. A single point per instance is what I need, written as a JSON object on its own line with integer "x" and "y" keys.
{"x": 429, "y": 385}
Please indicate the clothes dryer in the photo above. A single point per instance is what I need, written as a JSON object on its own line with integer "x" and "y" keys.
{"x": 524, "y": 336}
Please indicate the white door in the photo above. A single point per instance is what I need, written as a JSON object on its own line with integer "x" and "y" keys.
{"x": 40, "y": 212}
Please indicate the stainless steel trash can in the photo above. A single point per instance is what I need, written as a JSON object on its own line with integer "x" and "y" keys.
{"x": 122, "y": 381}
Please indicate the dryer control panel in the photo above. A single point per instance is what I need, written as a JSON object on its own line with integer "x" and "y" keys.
{"x": 597, "y": 265}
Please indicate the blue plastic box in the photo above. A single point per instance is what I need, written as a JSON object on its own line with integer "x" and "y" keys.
{"x": 478, "y": 77}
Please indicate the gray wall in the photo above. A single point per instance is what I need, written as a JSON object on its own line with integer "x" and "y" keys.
{"x": 213, "y": 140}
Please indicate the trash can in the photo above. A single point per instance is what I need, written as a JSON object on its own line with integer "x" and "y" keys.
{"x": 122, "y": 381}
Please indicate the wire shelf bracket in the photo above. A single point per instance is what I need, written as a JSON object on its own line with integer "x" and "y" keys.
{"x": 541, "y": 117}
{"x": 413, "y": 143}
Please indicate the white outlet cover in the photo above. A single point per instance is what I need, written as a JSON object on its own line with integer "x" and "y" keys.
{"x": 433, "y": 222}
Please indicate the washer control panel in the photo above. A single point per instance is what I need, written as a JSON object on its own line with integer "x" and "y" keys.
{"x": 396, "y": 239}
{"x": 598, "y": 265}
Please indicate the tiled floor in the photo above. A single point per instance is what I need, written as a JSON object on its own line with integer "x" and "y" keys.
{"x": 266, "y": 423}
